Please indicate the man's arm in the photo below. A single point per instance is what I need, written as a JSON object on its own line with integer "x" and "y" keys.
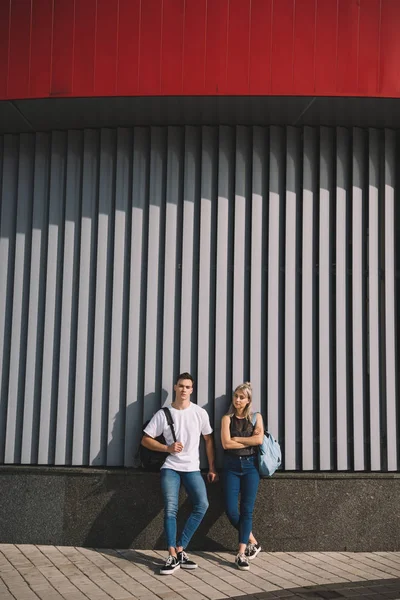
{"x": 152, "y": 444}
{"x": 212, "y": 474}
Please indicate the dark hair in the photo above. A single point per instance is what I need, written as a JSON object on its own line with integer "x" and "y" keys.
{"x": 185, "y": 376}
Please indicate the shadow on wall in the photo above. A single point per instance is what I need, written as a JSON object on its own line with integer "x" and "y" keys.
{"x": 127, "y": 512}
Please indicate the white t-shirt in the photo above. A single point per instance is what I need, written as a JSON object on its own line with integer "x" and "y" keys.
{"x": 189, "y": 424}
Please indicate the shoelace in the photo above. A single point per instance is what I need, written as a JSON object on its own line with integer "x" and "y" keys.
{"x": 251, "y": 547}
{"x": 243, "y": 558}
{"x": 170, "y": 559}
{"x": 184, "y": 555}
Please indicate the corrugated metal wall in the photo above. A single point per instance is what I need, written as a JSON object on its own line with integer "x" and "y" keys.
{"x": 237, "y": 253}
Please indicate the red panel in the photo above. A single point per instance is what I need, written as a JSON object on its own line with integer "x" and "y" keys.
{"x": 168, "y": 47}
{"x": 348, "y": 36}
{"x": 260, "y": 47}
{"x": 368, "y": 58}
{"x": 238, "y": 47}
{"x": 128, "y": 47}
{"x": 4, "y": 38}
{"x": 326, "y": 47}
{"x": 150, "y": 48}
{"x": 172, "y": 47}
{"x": 282, "y": 47}
{"x": 105, "y": 62}
{"x": 304, "y": 46}
{"x": 194, "y": 52}
{"x": 390, "y": 49}
{"x": 20, "y": 41}
{"x": 84, "y": 48}
{"x": 40, "y": 71}
{"x": 216, "y": 46}
{"x": 63, "y": 42}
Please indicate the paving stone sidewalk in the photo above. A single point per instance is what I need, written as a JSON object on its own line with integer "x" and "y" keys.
{"x": 30, "y": 572}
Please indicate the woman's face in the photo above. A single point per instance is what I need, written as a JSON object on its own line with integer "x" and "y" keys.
{"x": 240, "y": 400}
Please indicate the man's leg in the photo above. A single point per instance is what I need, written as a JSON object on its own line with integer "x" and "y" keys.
{"x": 170, "y": 484}
{"x": 195, "y": 487}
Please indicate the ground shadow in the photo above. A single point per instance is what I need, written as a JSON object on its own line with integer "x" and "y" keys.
{"x": 376, "y": 589}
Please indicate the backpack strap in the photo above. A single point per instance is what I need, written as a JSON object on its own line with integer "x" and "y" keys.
{"x": 254, "y": 420}
{"x": 170, "y": 422}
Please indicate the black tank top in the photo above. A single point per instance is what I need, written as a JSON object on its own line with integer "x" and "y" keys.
{"x": 241, "y": 428}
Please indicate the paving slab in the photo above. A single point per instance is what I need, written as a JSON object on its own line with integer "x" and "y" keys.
{"x": 29, "y": 572}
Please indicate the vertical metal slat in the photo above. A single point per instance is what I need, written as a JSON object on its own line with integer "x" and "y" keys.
{"x": 342, "y": 198}
{"x": 117, "y": 393}
{"x": 373, "y": 301}
{"x": 308, "y": 308}
{"x": 20, "y": 296}
{"x": 324, "y": 298}
{"x": 65, "y": 394}
{"x": 30, "y": 432}
{"x": 390, "y": 314}
{"x": 102, "y": 330}
{"x": 291, "y": 331}
{"x": 86, "y": 306}
{"x": 257, "y": 273}
{"x": 137, "y": 293}
{"x": 223, "y": 359}
{"x": 358, "y": 298}
{"x": 276, "y": 167}
{"x": 51, "y": 341}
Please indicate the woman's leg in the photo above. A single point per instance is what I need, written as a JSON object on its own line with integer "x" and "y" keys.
{"x": 195, "y": 487}
{"x": 248, "y": 492}
{"x": 170, "y": 484}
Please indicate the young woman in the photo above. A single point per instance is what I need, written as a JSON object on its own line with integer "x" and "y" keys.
{"x": 240, "y": 440}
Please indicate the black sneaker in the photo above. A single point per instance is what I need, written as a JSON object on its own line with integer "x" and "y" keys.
{"x": 171, "y": 565}
{"x": 242, "y": 562}
{"x": 252, "y": 550}
{"x": 184, "y": 561}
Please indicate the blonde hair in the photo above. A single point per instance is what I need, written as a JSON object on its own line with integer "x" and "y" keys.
{"x": 247, "y": 389}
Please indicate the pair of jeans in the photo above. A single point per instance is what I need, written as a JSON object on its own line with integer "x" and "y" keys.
{"x": 241, "y": 476}
{"x": 195, "y": 487}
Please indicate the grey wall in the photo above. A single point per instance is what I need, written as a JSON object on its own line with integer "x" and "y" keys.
{"x": 238, "y": 253}
{"x": 108, "y": 509}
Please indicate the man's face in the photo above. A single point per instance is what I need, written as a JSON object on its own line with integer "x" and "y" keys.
{"x": 183, "y": 389}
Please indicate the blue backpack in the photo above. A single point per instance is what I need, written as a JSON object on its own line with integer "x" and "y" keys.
{"x": 269, "y": 453}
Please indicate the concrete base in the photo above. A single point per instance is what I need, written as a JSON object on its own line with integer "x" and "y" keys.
{"x": 123, "y": 509}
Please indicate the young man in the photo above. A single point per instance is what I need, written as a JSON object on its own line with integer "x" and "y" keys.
{"x": 182, "y": 465}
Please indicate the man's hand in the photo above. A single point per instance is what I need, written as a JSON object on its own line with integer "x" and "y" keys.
{"x": 212, "y": 476}
{"x": 175, "y": 448}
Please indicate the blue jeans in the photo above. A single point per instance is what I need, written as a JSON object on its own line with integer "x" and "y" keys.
{"x": 195, "y": 487}
{"x": 241, "y": 476}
